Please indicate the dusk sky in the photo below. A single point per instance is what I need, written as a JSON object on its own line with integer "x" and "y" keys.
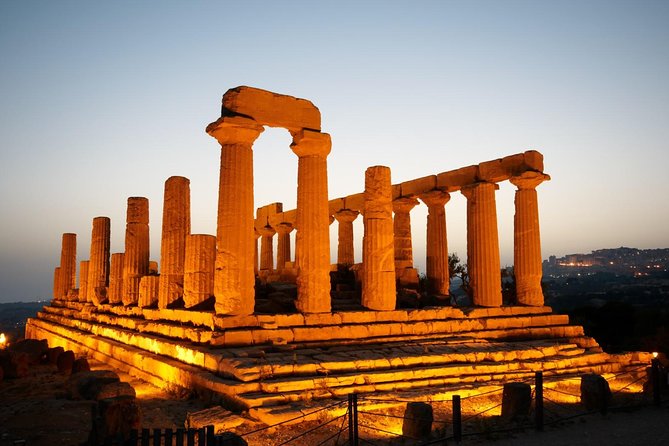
{"x": 100, "y": 101}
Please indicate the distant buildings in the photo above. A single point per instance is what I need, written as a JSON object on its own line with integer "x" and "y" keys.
{"x": 625, "y": 261}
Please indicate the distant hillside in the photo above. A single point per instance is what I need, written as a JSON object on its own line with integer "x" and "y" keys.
{"x": 13, "y": 317}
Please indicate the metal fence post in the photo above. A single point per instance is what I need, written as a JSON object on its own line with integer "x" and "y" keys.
{"x": 457, "y": 419}
{"x": 539, "y": 400}
{"x": 353, "y": 419}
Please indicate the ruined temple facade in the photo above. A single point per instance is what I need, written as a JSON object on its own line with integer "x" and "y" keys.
{"x": 197, "y": 323}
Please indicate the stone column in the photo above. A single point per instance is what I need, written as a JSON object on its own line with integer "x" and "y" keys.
{"x": 148, "y": 291}
{"x": 115, "y": 292}
{"x": 378, "y": 272}
{"x": 256, "y": 258}
{"x": 404, "y": 270}
{"x": 283, "y": 245}
{"x": 345, "y": 251}
{"x": 98, "y": 266}
{"x": 57, "y": 287}
{"x": 176, "y": 227}
{"x": 436, "y": 264}
{"x": 234, "y": 278}
{"x": 527, "y": 241}
{"x": 68, "y": 265}
{"x": 199, "y": 269}
{"x": 312, "y": 241}
{"x": 136, "y": 260}
{"x": 483, "y": 263}
{"x": 83, "y": 280}
{"x": 266, "y": 248}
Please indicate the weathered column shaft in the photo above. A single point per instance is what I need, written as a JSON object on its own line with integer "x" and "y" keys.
{"x": 57, "y": 287}
{"x": 436, "y": 264}
{"x": 256, "y": 258}
{"x": 68, "y": 265}
{"x": 312, "y": 241}
{"x": 345, "y": 250}
{"x": 378, "y": 275}
{"x": 234, "y": 278}
{"x": 148, "y": 291}
{"x": 199, "y": 269}
{"x": 402, "y": 232}
{"x": 83, "y": 280}
{"x": 98, "y": 266}
{"x": 176, "y": 227}
{"x": 266, "y": 248}
{"x": 136, "y": 260}
{"x": 527, "y": 241}
{"x": 283, "y": 245}
{"x": 115, "y": 292}
{"x": 483, "y": 263}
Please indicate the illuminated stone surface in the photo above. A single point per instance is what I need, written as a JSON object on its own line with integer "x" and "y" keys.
{"x": 527, "y": 266}
{"x": 402, "y": 232}
{"x": 378, "y": 274}
{"x": 436, "y": 264}
{"x": 345, "y": 251}
{"x": 148, "y": 291}
{"x": 83, "y": 280}
{"x": 68, "y": 265}
{"x": 483, "y": 245}
{"x": 312, "y": 240}
{"x": 136, "y": 260}
{"x": 266, "y": 247}
{"x": 199, "y": 269}
{"x": 115, "y": 292}
{"x": 234, "y": 278}
{"x": 176, "y": 227}
{"x": 98, "y": 266}
{"x": 283, "y": 254}
{"x": 57, "y": 287}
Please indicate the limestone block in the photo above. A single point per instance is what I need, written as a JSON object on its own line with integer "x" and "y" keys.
{"x": 418, "y": 186}
{"x": 530, "y": 160}
{"x": 516, "y": 401}
{"x": 118, "y": 416}
{"x": 272, "y": 109}
{"x": 80, "y": 365}
{"x": 355, "y": 202}
{"x": 493, "y": 171}
{"x": 65, "y": 362}
{"x": 148, "y": 291}
{"x": 114, "y": 390}
{"x": 216, "y": 416}
{"x": 267, "y": 212}
{"x": 595, "y": 392}
{"x": 534, "y": 160}
{"x": 14, "y": 364}
{"x": 53, "y": 353}
{"x": 199, "y": 269}
{"x": 455, "y": 179}
{"x": 417, "y": 422}
{"x": 115, "y": 291}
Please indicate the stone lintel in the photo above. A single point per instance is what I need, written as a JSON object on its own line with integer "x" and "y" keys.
{"x": 418, "y": 186}
{"x": 265, "y": 213}
{"x": 272, "y": 109}
{"x": 453, "y": 180}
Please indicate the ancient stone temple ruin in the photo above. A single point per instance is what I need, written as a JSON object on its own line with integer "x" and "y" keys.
{"x": 222, "y": 317}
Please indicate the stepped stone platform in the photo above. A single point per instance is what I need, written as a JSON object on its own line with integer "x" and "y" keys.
{"x": 276, "y": 365}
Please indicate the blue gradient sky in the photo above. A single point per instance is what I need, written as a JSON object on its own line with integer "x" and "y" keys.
{"x": 104, "y": 100}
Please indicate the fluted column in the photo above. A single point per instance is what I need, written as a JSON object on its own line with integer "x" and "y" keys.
{"x": 526, "y": 239}
{"x": 136, "y": 260}
{"x": 312, "y": 241}
{"x": 148, "y": 291}
{"x": 378, "y": 273}
{"x": 176, "y": 227}
{"x": 83, "y": 280}
{"x": 266, "y": 248}
{"x": 115, "y": 292}
{"x": 98, "y": 266}
{"x": 57, "y": 287}
{"x": 68, "y": 265}
{"x": 345, "y": 251}
{"x": 483, "y": 263}
{"x": 283, "y": 245}
{"x": 256, "y": 257}
{"x": 436, "y": 264}
{"x": 234, "y": 278}
{"x": 402, "y": 232}
{"x": 199, "y": 269}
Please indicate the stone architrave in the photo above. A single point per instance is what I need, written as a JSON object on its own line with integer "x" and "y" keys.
{"x": 176, "y": 227}
{"x": 148, "y": 291}
{"x": 115, "y": 292}
{"x": 283, "y": 245}
{"x": 234, "y": 278}
{"x": 312, "y": 241}
{"x": 98, "y": 266}
{"x": 68, "y": 265}
{"x": 57, "y": 288}
{"x": 483, "y": 263}
{"x": 199, "y": 269}
{"x": 266, "y": 248}
{"x": 527, "y": 265}
{"x": 378, "y": 275}
{"x": 136, "y": 260}
{"x": 436, "y": 241}
{"x": 402, "y": 232}
{"x": 345, "y": 251}
{"x": 83, "y": 280}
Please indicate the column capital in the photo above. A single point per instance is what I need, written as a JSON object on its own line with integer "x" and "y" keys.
{"x": 235, "y": 130}
{"x": 284, "y": 228}
{"x": 404, "y": 205}
{"x": 435, "y": 197}
{"x": 467, "y": 190}
{"x": 529, "y": 180}
{"x": 266, "y": 231}
{"x": 346, "y": 215}
{"x": 311, "y": 143}
{"x": 256, "y": 234}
